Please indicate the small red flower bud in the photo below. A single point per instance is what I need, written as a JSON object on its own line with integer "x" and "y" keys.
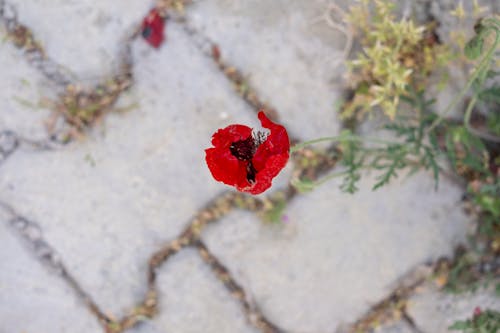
{"x": 246, "y": 160}
{"x": 215, "y": 52}
{"x": 153, "y": 27}
{"x": 477, "y": 311}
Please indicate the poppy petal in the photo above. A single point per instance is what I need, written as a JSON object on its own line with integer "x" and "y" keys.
{"x": 277, "y": 143}
{"x": 223, "y": 138}
{"x": 260, "y": 167}
{"x": 153, "y": 27}
{"x": 264, "y": 178}
{"x": 226, "y": 168}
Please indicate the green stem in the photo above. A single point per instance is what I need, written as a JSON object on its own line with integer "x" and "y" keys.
{"x": 301, "y": 145}
{"x": 350, "y": 138}
{"x": 330, "y": 177}
{"x": 468, "y": 113}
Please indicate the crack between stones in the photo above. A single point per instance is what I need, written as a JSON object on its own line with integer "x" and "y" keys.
{"x": 31, "y": 235}
{"x": 80, "y": 107}
{"x": 10, "y": 142}
{"x": 393, "y": 307}
{"x": 411, "y": 322}
{"x": 252, "y": 312}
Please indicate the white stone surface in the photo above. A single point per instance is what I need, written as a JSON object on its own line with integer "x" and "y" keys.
{"x": 291, "y": 57}
{"x": 400, "y": 327}
{"x": 21, "y": 89}
{"x": 106, "y": 203}
{"x": 84, "y": 36}
{"x": 435, "y": 311}
{"x": 339, "y": 254}
{"x": 192, "y": 300}
{"x": 34, "y": 299}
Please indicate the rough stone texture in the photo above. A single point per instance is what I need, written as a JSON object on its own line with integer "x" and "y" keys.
{"x": 435, "y": 311}
{"x": 290, "y": 55}
{"x": 21, "y": 88}
{"x": 193, "y": 300}
{"x": 66, "y": 27}
{"x": 393, "y": 327}
{"x": 338, "y": 254}
{"x": 107, "y": 202}
{"x": 33, "y": 299}
{"x": 399, "y": 327}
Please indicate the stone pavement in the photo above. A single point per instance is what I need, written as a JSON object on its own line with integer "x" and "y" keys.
{"x": 90, "y": 229}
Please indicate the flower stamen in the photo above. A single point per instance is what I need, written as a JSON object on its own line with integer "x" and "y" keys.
{"x": 259, "y": 137}
{"x": 243, "y": 149}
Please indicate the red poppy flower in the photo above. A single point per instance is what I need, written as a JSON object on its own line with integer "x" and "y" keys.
{"x": 246, "y": 159}
{"x": 152, "y": 28}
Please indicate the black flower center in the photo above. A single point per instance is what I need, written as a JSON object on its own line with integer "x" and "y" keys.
{"x": 244, "y": 150}
{"x": 146, "y": 32}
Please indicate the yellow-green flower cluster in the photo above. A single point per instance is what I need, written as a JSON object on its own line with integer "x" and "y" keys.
{"x": 396, "y": 53}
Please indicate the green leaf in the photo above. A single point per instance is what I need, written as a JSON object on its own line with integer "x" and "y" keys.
{"x": 490, "y": 95}
{"x": 473, "y": 162}
{"x": 434, "y": 141}
{"x": 303, "y": 185}
{"x": 450, "y": 149}
{"x": 470, "y": 141}
{"x": 275, "y": 214}
{"x": 459, "y": 325}
{"x": 408, "y": 100}
{"x": 491, "y": 189}
{"x": 431, "y": 160}
{"x": 397, "y": 163}
{"x": 489, "y": 203}
{"x": 474, "y": 48}
{"x": 349, "y": 182}
{"x": 491, "y": 74}
{"x": 493, "y": 122}
{"x": 413, "y": 170}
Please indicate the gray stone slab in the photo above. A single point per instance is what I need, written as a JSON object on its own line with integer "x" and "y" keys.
{"x": 84, "y": 36}
{"x": 338, "y": 254}
{"x": 107, "y": 202}
{"x": 21, "y": 89}
{"x": 291, "y": 57}
{"x": 192, "y": 300}
{"x": 434, "y": 311}
{"x": 34, "y": 299}
{"x": 398, "y": 327}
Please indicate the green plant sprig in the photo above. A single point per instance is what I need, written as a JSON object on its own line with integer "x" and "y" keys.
{"x": 386, "y": 157}
{"x": 418, "y": 147}
{"x": 473, "y": 50}
{"x": 483, "y": 321}
{"x": 346, "y": 137}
